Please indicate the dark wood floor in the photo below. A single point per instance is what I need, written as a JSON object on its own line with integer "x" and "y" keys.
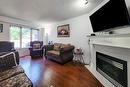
{"x": 45, "y": 73}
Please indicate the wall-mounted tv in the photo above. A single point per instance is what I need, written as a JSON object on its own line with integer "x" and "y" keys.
{"x": 112, "y": 14}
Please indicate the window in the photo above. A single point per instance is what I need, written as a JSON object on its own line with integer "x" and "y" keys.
{"x": 26, "y": 37}
{"x": 35, "y": 34}
{"x": 21, "y": 36}
{"x": 15, "y": 36}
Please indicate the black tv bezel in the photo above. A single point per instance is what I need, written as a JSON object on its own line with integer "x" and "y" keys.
{"x": 114, "y": 27}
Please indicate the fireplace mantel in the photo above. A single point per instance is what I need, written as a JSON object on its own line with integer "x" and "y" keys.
{"x": 116, "y": 40}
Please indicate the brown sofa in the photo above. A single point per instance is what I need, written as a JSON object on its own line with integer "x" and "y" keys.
{"x": 58, "y": 52}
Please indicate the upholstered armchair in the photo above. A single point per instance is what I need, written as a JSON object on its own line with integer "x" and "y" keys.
{"x": 61, "y": 53}
{"x": 36, "y": 49}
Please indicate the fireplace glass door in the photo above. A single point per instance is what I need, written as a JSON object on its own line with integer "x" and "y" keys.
{"x": 115, "y": 70}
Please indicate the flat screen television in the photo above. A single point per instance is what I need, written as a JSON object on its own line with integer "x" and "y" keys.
{"x": 113, "y": 14}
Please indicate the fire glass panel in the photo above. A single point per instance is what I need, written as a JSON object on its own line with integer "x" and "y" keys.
{"x": 113, "y": 67}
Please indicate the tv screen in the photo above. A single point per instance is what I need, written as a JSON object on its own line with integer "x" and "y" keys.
{"x": 112, "y": 14}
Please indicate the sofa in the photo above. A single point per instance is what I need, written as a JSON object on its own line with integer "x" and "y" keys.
{"x": 58, "y": 52}
{"x": 11, "y": 73}
{"x": 6, "y": 46}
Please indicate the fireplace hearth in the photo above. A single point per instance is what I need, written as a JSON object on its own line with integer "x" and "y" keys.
{"x": 113, "y": 69}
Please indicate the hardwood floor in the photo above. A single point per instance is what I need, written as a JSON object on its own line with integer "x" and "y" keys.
{"x": 45, "y": 73}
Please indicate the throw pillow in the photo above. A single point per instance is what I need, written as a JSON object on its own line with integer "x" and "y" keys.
{"x": 57, "y": 46}
{"x": 7, "y": 61}
{"x": 36, "y": 46}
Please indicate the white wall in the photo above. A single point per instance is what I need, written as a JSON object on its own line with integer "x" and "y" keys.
{"x": 79, "y": 29}
{"x": 4, "y": 36}
{"x": 41, "y": 34}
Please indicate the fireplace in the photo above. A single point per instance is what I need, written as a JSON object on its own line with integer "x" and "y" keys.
{"x": 113, "y": 69}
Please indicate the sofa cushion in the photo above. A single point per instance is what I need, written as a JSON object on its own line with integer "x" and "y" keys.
{"x": 7, "y": 61}
{"x": 36, "y": 46}
{"x": 57, "y": 46}
{"x": 53, "y": 52}
{"x": 20, "y": 80}
{"x": 11, "y": 72}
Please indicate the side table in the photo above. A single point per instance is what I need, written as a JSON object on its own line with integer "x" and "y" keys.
{"x": 78, "y": 57}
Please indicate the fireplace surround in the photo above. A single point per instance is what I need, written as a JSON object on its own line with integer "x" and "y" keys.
{"x": 115, "y": 46}
{"x": 113, "y": 69}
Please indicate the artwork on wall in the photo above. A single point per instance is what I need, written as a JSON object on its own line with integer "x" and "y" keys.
{"x": 1, "y": 28}
{"x": 63, "y": 31}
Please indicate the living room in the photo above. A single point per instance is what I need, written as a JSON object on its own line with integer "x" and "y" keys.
{"x": 113, "y": 42}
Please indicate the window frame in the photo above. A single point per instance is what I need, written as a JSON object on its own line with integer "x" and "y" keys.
{"x": 20, "y": 36}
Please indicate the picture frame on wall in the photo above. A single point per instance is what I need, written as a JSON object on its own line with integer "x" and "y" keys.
{"x": 1, "y": 28}
{"x": 63, "y": 31}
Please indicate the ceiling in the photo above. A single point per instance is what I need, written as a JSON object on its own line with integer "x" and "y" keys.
{"x": 45, "y": 11}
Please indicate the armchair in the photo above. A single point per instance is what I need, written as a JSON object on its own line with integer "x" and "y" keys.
{"x": 61, "y": 53}
{"x": 36, "y": 49}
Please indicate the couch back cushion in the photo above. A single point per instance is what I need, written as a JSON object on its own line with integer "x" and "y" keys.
{"x": 65, "y": 45}
{"x": 57, "y": 46}
{"x": 6, "y": 46}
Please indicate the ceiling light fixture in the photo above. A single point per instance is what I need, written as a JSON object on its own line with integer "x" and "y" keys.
{"x": 81, "y": 4}
{"x": 86, "y": 2}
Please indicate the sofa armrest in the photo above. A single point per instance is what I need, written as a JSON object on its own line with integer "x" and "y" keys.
{"x": 17, "y": 56}
{"x": 47, "y": 48}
